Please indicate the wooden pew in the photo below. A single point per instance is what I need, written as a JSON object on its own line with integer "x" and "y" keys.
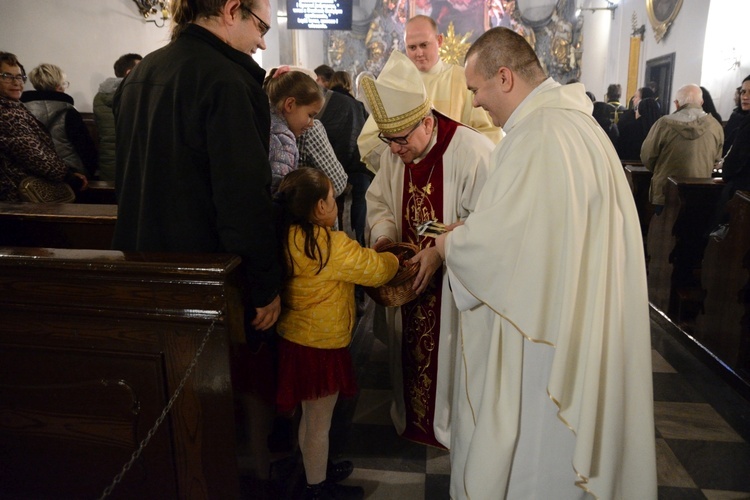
{"x": 98, "y": 193}
{"x": 724, "y": 329}
{"x": 676, "y": 242}
{"x": 93, "y": 344}
{"x": 64, "y": 225}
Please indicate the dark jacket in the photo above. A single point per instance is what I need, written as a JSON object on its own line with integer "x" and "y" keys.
{"x": 26, "y": 148}
{"x": 630, "y": 140}
{"x": 730, "y": 129}
{"x": 73, "y": 142}
{"x": 736, "y": 167}
{"x": 192, "y": 171}
{"x": 343, "y": 118}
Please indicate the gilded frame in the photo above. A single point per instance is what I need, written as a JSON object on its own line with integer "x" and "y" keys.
{"x": 661, "y": 14}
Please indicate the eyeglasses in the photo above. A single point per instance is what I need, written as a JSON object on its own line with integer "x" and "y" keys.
{"x": 402, "y": 140}
{"x": 65, "y": 85}
{"x": 264, "y": 28}
{"x": 7, "y": 77}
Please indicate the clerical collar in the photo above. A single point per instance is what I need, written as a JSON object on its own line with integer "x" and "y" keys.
{"x": 542, "y": 87}
{"x": 437, "y": 69}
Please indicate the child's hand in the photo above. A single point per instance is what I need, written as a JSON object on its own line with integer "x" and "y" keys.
{"x": 381, "y": 242}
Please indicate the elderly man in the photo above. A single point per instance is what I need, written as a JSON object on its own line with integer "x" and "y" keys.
{"x": 445, "y": 84}
{"x": 433, "y": 170}
{"x": 687, "y": 143}
{"x": 552, "y": 389}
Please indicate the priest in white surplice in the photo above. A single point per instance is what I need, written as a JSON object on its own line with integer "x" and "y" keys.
{"x": 552, "y": 391}
{"x": 432, "y": 169}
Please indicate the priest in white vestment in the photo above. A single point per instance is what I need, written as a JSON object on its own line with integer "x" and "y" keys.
{"x": 552, "y": 391}
{"x": 432, "y": 169}
{"x": 445, "y": 84}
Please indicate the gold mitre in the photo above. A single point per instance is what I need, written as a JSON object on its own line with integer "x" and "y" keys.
{"x": 397, "y": 99}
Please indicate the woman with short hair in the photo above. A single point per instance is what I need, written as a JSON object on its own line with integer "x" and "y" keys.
{"x": 26, "y": 148}
{"x": 55, "y": 109}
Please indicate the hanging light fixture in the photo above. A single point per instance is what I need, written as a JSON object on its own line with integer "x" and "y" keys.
{"x": 159, "y": 9}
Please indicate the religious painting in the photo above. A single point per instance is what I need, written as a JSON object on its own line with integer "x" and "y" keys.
{"x": 661, "y": 14}
{"x": 468, "y": 17}
{"x": 550, "y": 26}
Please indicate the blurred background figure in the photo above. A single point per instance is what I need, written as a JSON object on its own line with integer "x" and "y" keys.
{"x": 341, "y": 82}
{"x": 709, "y": 107}
{"x": 105, "y": 119}
{"x": 55, "y": 109}
{"x": 634, "y": 132}
{"x": 324, "y": 74}
{"x": 738, "y": 114}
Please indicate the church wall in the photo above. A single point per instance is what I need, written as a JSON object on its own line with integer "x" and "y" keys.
{"x": 85, "y": 38}
{"x": 685, "y": 38}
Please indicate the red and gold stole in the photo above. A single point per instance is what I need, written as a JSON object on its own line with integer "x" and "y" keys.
{"x": 423, "y": 201}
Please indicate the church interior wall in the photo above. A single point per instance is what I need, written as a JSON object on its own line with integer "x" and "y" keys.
{"x": 85, "y": 38}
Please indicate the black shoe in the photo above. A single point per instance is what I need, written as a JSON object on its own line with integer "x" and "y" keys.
{"x": 339, "y": 471}
{"x": 331, "y": 491}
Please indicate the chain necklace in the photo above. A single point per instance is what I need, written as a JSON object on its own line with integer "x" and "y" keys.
{"x": 420, "y": 215}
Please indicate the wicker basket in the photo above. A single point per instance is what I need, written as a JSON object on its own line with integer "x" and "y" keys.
{"x": 398, "y": 291}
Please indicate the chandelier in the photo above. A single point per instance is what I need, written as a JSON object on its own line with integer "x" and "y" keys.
{"x": 159, "y": 9}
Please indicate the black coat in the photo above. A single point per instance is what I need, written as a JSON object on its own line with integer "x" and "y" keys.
{"x": 343, "y": 118}
{"x": 736, "y": 167}
{"x": 730, "y": 129}
{"x": 192, "y": 170}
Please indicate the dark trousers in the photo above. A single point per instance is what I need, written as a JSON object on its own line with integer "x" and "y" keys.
{"x": 360, "y": 181}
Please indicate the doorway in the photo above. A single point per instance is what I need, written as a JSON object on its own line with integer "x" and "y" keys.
{"x": 659, "y": 77}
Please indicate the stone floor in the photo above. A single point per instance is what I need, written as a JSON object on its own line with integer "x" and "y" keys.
{"x": 702, "y": 433}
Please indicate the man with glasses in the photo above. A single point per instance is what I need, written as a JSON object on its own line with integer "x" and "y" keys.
{"x": 445, "y": 84}
{"x": 432, "y": 170}
{"x": 191, "y": 166}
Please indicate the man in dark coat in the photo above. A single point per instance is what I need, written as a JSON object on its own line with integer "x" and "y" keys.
{"x": 192, "y": 171}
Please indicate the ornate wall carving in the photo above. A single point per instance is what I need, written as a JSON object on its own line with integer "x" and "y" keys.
{"x": 557, "y": 39}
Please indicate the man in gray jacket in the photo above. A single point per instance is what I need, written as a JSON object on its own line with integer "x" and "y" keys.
{"x": 686, "y": 143}
{"x": 105, "y": 120}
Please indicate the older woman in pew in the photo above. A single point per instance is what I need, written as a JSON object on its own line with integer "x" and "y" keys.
{"x": 26, "y": 148}
{"x": 49, "y": 103}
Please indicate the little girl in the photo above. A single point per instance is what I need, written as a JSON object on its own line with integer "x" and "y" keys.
{"x": 318, "y": 313}
{"x": 295, "y": 100}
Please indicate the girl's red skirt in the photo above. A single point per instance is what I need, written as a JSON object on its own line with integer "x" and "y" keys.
{"x": 307, "y": 373}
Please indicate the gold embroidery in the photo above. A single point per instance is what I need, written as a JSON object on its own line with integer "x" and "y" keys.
{"x": 420, "y": 337}
{"x": 419, "y": 208}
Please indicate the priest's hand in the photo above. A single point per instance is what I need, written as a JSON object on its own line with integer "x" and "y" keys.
{"x": 429, "y": 261}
